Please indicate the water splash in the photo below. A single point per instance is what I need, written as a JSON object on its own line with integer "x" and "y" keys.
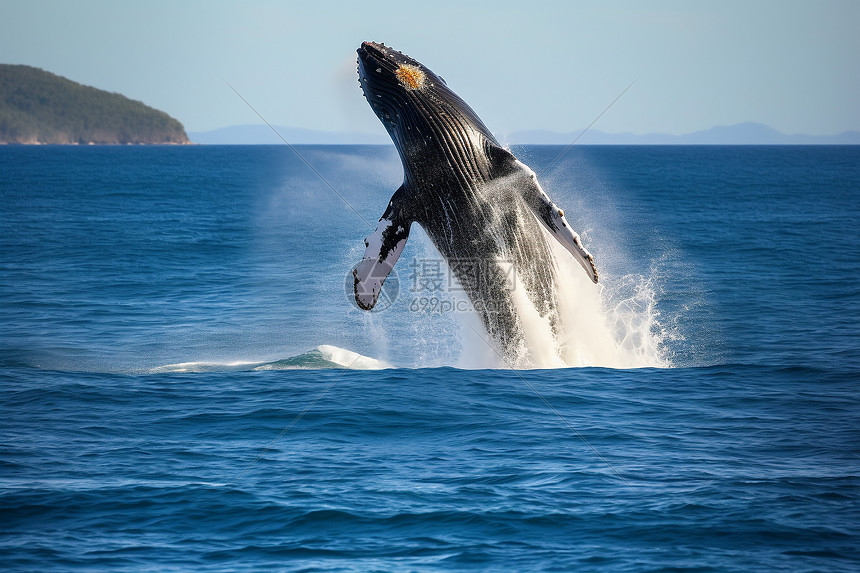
{"x": 614, "y": 325}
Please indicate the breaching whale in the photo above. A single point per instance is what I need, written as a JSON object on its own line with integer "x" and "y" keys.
{"x": 481, "y": 207}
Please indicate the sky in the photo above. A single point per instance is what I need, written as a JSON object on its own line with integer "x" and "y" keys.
{"x": 793, "y": 65}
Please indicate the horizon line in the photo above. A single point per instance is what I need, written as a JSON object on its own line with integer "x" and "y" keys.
{"x": 745, "y": 133}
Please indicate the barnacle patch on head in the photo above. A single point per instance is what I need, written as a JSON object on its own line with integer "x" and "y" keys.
{"x": 411, "y": 77}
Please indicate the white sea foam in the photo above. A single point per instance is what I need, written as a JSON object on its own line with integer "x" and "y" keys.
{"x": 613, "y": 324}
{"x": 215, "y": 366}
{"x": 350, "y": 359}
{"x": 325, "y": 356}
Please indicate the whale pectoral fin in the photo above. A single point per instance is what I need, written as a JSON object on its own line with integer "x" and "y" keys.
{"x": 383, "y": 248}
{"x": 553, "y": 220}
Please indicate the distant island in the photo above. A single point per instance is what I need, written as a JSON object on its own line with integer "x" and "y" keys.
{"x": 739, "y": 134}
{"x": 749, "y": 133}
{"x": 38, "y": 107}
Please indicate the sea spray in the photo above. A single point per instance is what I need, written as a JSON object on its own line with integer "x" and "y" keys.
{"x": 612, "y": 325}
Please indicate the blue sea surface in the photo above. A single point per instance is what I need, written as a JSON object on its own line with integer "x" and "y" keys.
{"x": 176, "y": 322}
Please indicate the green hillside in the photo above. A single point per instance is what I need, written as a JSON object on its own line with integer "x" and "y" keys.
{"x": 39, "y": 107}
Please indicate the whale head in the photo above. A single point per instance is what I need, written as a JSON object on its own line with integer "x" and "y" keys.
{"x": 407, "y": 96}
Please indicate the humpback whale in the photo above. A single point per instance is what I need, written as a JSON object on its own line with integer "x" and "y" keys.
{"x": 481, "y": 207}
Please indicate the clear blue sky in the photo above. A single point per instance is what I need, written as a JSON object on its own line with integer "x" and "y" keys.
{"x": 521, "y": 65}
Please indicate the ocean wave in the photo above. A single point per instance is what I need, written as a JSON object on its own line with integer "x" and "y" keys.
{"x": 322, "y": 357}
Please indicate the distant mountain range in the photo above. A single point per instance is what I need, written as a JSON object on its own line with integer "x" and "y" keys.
{"x": 740, "y": 134}
{"x": 261, "y": 134}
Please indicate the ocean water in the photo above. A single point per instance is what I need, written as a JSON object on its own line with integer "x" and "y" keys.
{"x": 186, "y": 385}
